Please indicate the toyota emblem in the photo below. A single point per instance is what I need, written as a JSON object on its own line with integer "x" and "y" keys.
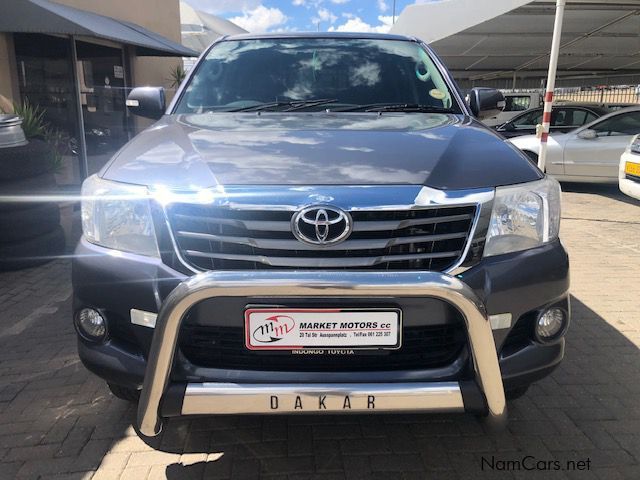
{"x": 321, "y": 225}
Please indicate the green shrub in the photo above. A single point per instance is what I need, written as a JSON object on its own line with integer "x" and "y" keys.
{"x": 177, "y": 75}
{"x": 59, "y": 142}
{"x": 33, "y": 124}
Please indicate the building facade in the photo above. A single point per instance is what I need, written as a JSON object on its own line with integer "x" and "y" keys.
{"x": 77, "y": 60}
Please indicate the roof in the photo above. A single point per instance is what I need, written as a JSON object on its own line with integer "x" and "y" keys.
{"x": 43, "y": 16}
{"x": 343, "y": 35}
{"x": 200, "y": 29}
{"x": 600, "y": 37}
{"x": 586, "y": 106}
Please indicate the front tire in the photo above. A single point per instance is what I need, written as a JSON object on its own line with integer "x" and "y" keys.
{"x": 124, "y": 393}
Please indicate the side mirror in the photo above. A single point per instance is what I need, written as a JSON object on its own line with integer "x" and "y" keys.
{"x": 588, "y": 134}
{"x": 147, "y": 102}
{"x": 508, "y": 127}
{"x": 485, "y": 102}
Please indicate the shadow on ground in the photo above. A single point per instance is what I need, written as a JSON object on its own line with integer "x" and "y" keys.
{"x": 55, "y": 416}
{"x": 609, "y": 190}
{"x": 573, "y": 415}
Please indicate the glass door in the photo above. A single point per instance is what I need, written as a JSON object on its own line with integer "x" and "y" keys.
{"x": 101, "y": 80}
{"x": 45, "y": 76}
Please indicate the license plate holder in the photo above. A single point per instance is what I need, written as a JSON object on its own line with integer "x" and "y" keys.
{"x": 273, "y": 328}
{"x": 632, "y": 169}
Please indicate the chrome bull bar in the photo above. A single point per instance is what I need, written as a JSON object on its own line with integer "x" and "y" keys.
{"x": 218, "y": 398}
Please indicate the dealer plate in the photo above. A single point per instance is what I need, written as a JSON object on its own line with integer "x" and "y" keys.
{"x": 631, "y": 168}
{"x": 292, "y": 329}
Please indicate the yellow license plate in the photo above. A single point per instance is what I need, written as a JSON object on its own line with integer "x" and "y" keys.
{"x": 632, "y": 169}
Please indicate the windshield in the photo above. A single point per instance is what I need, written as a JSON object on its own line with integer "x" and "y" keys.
{"x": 315, "y": 74}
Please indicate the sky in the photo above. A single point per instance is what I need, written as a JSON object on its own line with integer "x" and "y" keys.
{"x": 307, "y": 15}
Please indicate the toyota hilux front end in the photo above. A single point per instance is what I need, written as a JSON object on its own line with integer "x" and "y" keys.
{"x": 319, "y": 224}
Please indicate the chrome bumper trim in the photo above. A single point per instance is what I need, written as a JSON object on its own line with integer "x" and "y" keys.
{"x": 343, "y": 284}
{"x": 230, "y": 398}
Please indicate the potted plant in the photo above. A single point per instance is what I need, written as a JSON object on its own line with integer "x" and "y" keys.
{"x": 30, "y": 231}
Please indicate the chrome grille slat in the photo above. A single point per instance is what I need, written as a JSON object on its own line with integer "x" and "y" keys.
{"x": 371, "y": 226}
{"x": 241, "y": 237}
{"x": 364, "y": 226}
{"x": 281, "y": 244}
{"x": 319, "y": 262}
{"x": 256, "y": 225}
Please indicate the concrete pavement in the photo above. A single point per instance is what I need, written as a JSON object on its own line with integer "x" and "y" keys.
{"x": 59, "y": 421}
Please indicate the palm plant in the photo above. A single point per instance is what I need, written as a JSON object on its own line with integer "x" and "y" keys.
{"x": 33, "y": 123}
{"x": 177, "y": 75}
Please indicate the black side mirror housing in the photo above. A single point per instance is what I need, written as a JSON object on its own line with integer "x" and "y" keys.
{"x": 509, "y": 127}
{"x": 485, "y": 102}
{"x": 148, "y": 102}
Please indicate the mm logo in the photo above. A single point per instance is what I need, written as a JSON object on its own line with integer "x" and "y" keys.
{"x": 273, "y": 329}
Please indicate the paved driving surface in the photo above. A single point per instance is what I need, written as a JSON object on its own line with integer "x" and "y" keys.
{"x": 59, "y": 421}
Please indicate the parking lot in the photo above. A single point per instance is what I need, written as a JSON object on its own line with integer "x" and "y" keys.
{"x": 59, "y": 421}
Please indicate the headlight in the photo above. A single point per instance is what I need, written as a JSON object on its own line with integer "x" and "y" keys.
{"x": 635, "y": 145}
{"x": 524, "y": 216}
{"x": 117, "y": 215}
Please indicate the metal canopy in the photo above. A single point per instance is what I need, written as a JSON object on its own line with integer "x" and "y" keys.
{"x": 200, "y": 29}
{"x": 598, "y": 38}
{"x": 42, "y": 16}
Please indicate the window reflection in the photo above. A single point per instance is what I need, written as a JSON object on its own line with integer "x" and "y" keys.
{"x": 237, "y": 74}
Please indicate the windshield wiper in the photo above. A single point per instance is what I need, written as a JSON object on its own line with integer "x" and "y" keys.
{"x": 397, "y": 107}
{"x": 293, "y": 105}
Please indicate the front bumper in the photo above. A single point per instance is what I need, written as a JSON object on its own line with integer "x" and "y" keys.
{"x": 520, "y": 283}
{"x": 210, "y": 398}
{"x": 629, "y": 185}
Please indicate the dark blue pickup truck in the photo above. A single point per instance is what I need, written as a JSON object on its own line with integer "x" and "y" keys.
{"x": 318, "y": 223}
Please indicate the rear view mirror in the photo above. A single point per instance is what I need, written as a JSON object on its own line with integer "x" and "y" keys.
{"x": 147, "y": 102}
{"x": 485, "y": 102}
{"x": 588, "y": 134}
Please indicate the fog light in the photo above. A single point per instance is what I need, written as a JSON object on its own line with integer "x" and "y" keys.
{"x": 550, "y": 324}
{"x": 91, "y": 325}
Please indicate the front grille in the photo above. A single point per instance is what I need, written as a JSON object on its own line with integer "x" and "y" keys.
{"x": 219, "y": 238}
{"x": 223, "y": 347}
{"x": 632, "y": 177}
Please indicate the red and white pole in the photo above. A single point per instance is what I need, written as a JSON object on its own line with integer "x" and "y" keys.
{"x": 551, "y": 82}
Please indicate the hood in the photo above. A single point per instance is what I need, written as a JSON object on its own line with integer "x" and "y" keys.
{"x": 208, "y": 150}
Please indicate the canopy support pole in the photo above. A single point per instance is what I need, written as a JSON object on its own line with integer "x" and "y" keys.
{"x": 82, "y": 142}
{"x": 551, "y": 83}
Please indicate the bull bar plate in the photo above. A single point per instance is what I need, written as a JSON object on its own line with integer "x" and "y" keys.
{"x": 225, "y": 398}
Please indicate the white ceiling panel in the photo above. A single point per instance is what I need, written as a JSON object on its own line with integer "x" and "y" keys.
{"x": 597, "y": 36}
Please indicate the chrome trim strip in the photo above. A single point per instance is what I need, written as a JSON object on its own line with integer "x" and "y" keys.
{"x": 232, "y": 398}
{"x": 382, "y": 225}
{"x": 361, "y": 226}
{"x": 279, "y": 244}
{"x": 319, "y": 262}
{"x": 306, "y": 283}
{"x": 262, "y": 225}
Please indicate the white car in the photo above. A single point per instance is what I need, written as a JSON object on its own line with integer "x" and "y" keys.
{"x": 515, "y": 104}
{"x": 629, "y": 171}
{"x": 590, "y": 153}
